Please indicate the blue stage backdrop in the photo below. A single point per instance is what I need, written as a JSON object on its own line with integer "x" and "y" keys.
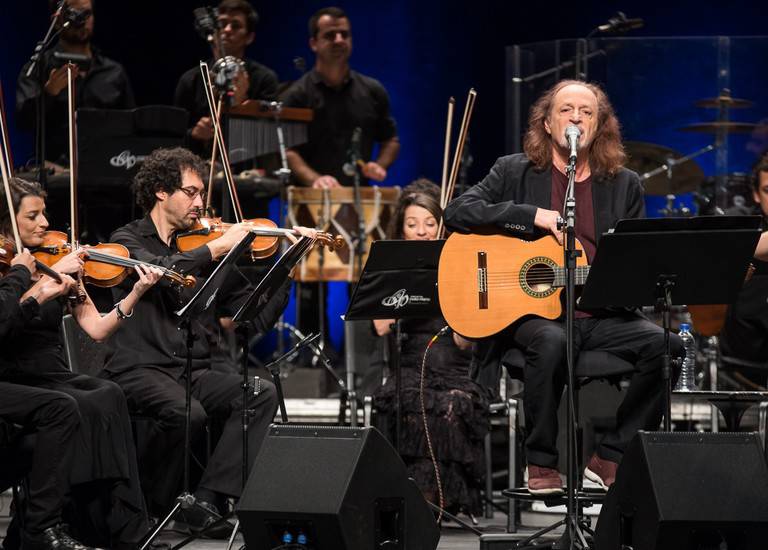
{"x": 423, "y": 52}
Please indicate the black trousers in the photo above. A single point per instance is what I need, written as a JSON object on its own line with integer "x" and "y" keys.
{"x": 53, "y": 417}
{"x": 155, "y": 393}
{"x": 630, "y": 337}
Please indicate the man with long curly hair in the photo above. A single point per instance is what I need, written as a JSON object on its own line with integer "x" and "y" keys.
{"x": 523, "y": 195}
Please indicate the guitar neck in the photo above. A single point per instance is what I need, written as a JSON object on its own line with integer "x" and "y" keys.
{"x": 581, "y": 275}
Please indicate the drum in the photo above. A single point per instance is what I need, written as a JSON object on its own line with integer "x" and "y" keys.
{"x": 333, "y": 210}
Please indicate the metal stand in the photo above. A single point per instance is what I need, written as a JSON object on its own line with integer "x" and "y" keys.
{"x": 664, "y": 287}
{"x": 36, "y": 64}
{"x": 186, "y": 499}
{"x": 573, "y": 520}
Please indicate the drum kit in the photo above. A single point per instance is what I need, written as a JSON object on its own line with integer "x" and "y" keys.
{"x": 667, "y": 172}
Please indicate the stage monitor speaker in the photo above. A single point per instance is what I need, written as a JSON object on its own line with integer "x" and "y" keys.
{"x": 687, "y": 491}
{"x": 333, "y": 488}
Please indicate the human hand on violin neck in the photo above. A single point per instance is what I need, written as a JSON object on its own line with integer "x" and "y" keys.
{"x": 148, "y": 277}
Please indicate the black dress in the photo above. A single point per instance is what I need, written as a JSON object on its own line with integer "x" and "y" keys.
{"x": 457, "y": 416}
{"x": 107, "y": 506}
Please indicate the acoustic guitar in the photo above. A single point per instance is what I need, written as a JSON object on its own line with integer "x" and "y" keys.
{"x": 487, "y": 282}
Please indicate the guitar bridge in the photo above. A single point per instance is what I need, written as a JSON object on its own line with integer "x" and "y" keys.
{"x": 482, "y": 280}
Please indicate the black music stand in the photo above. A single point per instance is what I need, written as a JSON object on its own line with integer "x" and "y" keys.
{"x": 399, "y": 281}
{"x": 203, "y": 299}
{"x": 666, "y": 262}
{"x": 253, "y": 305}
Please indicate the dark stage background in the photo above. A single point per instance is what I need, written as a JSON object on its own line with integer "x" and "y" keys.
{"x": 422, "y": 51}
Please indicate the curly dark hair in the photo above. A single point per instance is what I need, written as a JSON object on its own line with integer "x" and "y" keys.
{"x": 421, "y": 192}
{"x": 606, "y": 152}
{"x": 161, "y": 171}
{"x": 19, "y": 189}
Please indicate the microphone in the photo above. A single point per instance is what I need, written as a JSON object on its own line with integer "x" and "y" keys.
{"x": 572, "y": 134}
{"x": 620, "y": 23}
{"x": 206, "y": 23}
{"x": 74, "y": 18}
{"x": 353, "y": 155}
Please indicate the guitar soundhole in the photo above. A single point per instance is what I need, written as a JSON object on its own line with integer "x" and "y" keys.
{"x": 538, "y": 277}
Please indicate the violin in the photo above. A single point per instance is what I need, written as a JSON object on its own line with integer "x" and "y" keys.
{"x": 264, "y": 245}
{"x": 8, "y": 252}
{"x": 105, "y": 264}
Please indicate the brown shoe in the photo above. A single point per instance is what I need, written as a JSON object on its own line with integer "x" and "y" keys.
{"x": 544, "y": 481}
{"x": 601, "y": 471}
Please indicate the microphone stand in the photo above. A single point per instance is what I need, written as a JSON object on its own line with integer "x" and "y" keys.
{"x": 573, "y": 524}
{"x": 349, "y": 331}
{"x": 35, "y": 63}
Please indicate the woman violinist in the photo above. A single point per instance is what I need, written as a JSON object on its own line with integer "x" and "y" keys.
{"x": 104, "y": 479}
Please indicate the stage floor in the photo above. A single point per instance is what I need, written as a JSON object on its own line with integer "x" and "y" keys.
{"x": 452, "y": 536}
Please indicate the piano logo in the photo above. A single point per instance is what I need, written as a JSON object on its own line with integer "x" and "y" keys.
{"x": 126, "y": 160}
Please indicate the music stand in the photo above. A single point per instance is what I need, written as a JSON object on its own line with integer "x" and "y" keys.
{"x": 399, "y": 280}
{"x": 253, "y": 305}
{"x": 203, "y": 299}
{"x": 666, "y": 262}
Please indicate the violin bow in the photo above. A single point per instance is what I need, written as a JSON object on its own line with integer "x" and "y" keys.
{"x": 74, "y": 229}
{"x": 6, "y": 166}
{"x": 219, "y": 138}
{"x": 446, "y": 150}
{"x": 468, "y": 108}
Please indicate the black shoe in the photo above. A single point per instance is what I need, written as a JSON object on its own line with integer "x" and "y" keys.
{"x": 204, "y": 514}
{"x": 53, "y": 538}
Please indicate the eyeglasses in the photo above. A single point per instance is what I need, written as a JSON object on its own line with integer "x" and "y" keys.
{"x": 192, "y": 192}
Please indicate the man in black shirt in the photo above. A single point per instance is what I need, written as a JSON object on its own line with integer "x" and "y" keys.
{"x": 745, "y": 332}
{"x": 150, "y": 350}
{"x": 237, "y": 19}
{"x": 342, "y": 100}
{"x": 104, "y": 84}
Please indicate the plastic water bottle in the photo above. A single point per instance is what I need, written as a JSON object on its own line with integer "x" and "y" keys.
{"x": 687, "y": 380}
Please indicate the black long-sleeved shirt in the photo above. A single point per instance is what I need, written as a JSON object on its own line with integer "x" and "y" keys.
{"x": 105, "y": 86}
{"x": 12, "y": 288}
{"x": 151, "y": 336}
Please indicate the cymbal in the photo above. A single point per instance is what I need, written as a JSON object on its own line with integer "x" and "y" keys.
{"x": 714, "y": 127}
{"x": 724, "y": 100}
{"x": 644, "y": 157}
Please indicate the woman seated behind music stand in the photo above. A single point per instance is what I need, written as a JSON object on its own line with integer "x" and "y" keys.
{"x": 456, "y": 407}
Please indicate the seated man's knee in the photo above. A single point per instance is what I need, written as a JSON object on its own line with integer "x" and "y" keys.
{"x": 60, "y": 409}
{"x": 173, "y": 416}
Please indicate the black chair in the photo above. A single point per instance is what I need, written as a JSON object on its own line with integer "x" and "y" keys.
{"x": 590, "y": 366}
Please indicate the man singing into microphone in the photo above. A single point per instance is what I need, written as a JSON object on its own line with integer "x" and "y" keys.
{"x": 523, "y": 196}
{"x": 342, "y": 100}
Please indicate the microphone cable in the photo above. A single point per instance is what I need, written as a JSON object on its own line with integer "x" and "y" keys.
{"x": 430, "y": 448}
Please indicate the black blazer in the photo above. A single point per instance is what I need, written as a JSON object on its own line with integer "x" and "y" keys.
{"x": 506, "y": 202}
{"x": 507, "y": 198}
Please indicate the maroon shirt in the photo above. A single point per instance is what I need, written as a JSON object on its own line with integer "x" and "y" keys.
{"x": 585, "y": 214}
